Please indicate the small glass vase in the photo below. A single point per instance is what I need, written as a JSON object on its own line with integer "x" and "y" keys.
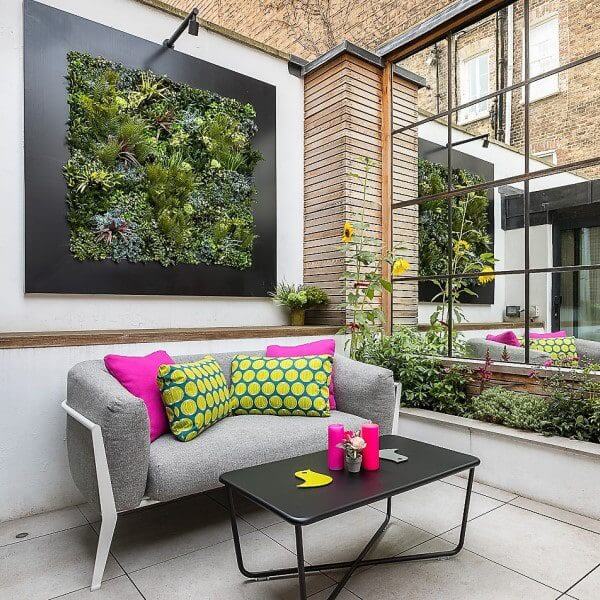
{"x": 352, "y": 464}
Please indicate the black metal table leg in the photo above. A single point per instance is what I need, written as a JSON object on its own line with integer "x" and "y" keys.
{"x": 300, "y": 557}
{"x": 351, "y": 566}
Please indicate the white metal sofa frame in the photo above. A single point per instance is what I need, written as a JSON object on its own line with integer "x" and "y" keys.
{"x": 108, "y": 509}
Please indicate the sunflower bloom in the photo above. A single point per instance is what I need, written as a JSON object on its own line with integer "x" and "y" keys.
{"x": 461, "y": 246}
{"x": 486, "y": 278}
{"x": 400, "y": 266}
{"x": 348, "y": 232}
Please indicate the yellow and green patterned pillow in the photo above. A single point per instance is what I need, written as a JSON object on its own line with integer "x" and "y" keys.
{"x": 281, "y": 386}
{"x": 195, "y": 396}
{"x": 562, "y": 350}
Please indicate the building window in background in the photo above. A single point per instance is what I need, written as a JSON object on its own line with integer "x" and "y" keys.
{"x": 543, "y": 57}
{"x": 475, "y": 83}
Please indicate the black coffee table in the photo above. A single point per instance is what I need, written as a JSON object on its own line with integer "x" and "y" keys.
{"x": 273, "y": 486}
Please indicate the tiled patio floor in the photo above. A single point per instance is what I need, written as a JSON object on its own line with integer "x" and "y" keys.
{"x": 515, "y": 549}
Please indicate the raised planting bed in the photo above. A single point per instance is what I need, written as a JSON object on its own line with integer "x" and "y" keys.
{"x": 558, "y": 471}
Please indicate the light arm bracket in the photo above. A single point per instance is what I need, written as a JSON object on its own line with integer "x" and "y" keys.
{"x": 190, "y": 22}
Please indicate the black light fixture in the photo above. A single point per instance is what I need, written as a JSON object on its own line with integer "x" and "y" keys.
{"x": 191, "y": 22}
{"x": 485, "y": 137}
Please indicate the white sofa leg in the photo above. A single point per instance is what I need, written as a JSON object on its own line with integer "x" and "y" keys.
{"x": 105, "y": 493}
{"x": 107, "y": 530}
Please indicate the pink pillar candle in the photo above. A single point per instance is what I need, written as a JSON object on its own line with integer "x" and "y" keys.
{"x": 335, "y": 455}
{"x": 370, "y": 433}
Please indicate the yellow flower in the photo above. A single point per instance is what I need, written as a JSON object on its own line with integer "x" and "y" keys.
{"x": 486, "y": 278}
{"x": 348, "y": 232}
{"x": 461, "y": 246}
{"x": 401, "y": 265}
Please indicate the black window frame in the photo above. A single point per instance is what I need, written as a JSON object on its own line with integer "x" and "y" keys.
{"x": 523, "y": 178}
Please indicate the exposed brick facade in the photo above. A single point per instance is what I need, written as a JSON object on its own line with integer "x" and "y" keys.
{"x": 567, "y": 122}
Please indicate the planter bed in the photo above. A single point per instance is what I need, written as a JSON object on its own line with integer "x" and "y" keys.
{"x": 557, "y": 471}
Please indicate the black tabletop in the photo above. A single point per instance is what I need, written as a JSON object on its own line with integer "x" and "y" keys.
{"x": 273, "y": 485}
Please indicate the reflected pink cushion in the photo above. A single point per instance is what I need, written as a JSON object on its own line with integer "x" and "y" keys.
{"x": 326, "y": 346}
{"x": 544, "y": 336}
{"x": 509, "y": 338}
{"x": 137, "y": 374}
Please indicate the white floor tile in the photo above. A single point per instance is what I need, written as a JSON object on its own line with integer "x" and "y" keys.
{"x": 437, "y": 507}
{"x": 559, "y": 514}
{"x": 481, "y": 488}
{"x": 341, "y": 538}
{"x": 212, "y": 574}
{"x": 120, "y": 588}
{"x": 38, "y": 525}
{"x": 164, "y": 531}
{"x": 554, "y": 553}
{"x": 588, "y": 588}
{"x": 249, "y": 511}
{"x": 51, "y": 565}
{"x": 463, "y": 577}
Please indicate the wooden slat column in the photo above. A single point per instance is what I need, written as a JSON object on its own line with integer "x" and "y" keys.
{"x": 343, "y": 124}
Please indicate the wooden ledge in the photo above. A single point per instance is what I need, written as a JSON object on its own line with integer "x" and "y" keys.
{"x": 468, "y": 326}
{"x": 99, "y": 337}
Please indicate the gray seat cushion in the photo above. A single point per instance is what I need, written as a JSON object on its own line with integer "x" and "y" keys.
{"x": 181, "y": 468}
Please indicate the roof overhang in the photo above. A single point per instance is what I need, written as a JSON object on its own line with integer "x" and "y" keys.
{"x": 300, "y": 67}
{"x": 457, "y": 16}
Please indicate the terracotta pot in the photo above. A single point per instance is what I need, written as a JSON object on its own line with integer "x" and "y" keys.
{"x": 297, "y": 316}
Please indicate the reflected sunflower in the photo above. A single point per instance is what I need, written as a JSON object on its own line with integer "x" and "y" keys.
{"x": 483, "y": 279}
{"x": 400, "y": 266}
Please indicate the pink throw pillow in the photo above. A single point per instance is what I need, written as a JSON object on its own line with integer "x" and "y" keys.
{"x": 137, "y": 374}
{"x": 326, "y": 346}
{"x": 544, "y": 336}
{"x": 509, "y": 338}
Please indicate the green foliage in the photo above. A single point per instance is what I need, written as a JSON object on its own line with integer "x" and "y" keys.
{"x": 574, "y": 404}
{"x": 472, "y": 244}
{"x": 513, "y": 409}
{"x": 159, "y": 171}
{"x": 571, "y": 408}
{"x": 364, "y": 274}
{"x": 299, "y": 296}
{"x": 426, "y": 381}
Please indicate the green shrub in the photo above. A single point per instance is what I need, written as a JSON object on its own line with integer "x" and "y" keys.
{"x": 299, "y": 296}
{"x": 513, "y": 409}
{"x": 426, "y": 381}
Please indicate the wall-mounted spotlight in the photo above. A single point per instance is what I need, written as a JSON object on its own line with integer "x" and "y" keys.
{"x": 191, "y": 22}
{"x": 484, "y": 137}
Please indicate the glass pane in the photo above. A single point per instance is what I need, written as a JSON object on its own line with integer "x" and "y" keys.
{"x": 565, "y": 219}
{"x": 498, "y": 311}
{"x": 564, "y": 121}
{"x": 431, "y": 64}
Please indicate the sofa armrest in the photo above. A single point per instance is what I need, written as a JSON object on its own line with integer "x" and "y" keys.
{"x": 365, "y": 390}
{"x": 123, "y": 420}
{"x": 478, "y": 347}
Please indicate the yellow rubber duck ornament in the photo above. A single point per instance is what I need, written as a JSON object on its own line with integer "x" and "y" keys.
{"x": 312, "y": 479}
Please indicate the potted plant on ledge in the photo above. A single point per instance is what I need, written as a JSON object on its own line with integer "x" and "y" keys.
{"x": 298, "y": 299}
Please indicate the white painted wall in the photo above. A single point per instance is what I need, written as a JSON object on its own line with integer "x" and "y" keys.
{"x": 35, "y": 312}
{"x": 34, "y": 476}
{"x": 509, "y": 246}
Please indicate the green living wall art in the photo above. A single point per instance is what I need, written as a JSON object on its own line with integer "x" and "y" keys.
{"x": 158, "y": 171}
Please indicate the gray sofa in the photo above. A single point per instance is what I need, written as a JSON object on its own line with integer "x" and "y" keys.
{"x": 118, "y": 469}
{"x": 588, "y": 351}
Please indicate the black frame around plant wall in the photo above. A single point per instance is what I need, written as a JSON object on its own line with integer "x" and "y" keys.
{"x": 414, "y": 44}
{"x": 49, "y": 265}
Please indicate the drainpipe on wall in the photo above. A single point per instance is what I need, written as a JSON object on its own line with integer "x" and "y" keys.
{"x": 510, "y": 19}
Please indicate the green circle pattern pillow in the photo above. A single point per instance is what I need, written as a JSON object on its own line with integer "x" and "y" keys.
{"x": 562, "y": 350}
{"x": 195, "y": 396}
{"x": 281, "y": 386}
